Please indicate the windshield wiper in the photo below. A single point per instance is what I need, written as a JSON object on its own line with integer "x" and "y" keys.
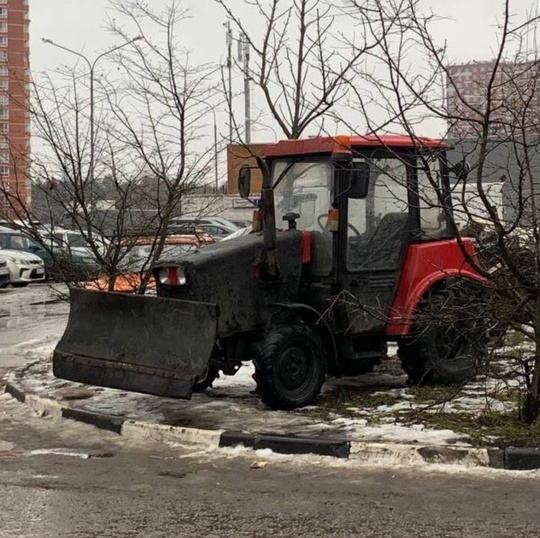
{"x": 285, "y": 172}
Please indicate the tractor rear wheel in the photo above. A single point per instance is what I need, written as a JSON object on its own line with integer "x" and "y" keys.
{"x": 448, "y": 340}
{"x": 290, "y": 366}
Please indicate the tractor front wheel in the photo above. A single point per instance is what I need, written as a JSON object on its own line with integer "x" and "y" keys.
{"x": 206, "y": 380}
{"x": 290, "y": 366}
{"x": 447, "y": 342}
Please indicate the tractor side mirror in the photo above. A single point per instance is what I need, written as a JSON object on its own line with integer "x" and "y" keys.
{"x": 244, "y": 181}
{"x": 461, "y": 170}
{"x": 359, "y": 180}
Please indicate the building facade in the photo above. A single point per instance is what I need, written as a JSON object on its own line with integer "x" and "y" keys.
{"x": 14, "y": 95}
{"x": 515, "y": 94}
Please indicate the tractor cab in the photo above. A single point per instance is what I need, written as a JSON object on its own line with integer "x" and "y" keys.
{"x": 363, "y": 200}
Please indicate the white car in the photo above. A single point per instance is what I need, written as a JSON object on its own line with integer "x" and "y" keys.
{"x": 23, "y": 267}
{"x": 4, "y": 273}
{"x": 73, "y": 240}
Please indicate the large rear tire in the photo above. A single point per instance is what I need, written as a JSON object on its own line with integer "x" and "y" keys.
{"x": 290, "y": 366}
{"x": 448, "y": 339}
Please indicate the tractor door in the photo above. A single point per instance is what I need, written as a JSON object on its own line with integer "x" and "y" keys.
{"x": 374, "y": 235}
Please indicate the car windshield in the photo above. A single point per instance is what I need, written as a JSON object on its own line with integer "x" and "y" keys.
{"x": 22, "y": 242}
{"x": 76, "y": 240}
{"x": 51, "y": 241}
{"x": 302, "y": 187}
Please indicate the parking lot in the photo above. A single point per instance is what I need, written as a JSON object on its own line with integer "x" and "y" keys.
{"x": 30, "y": 318}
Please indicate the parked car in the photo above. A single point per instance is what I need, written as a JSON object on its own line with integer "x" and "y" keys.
{"x": 73, "y": 240}
{"x": 240, "y": 233}
{"x": 60, "y": 263}
{"x": 217, "y": 227}
{"x": 241, "y": 223}
{"x": 23, "y": 267}
{"x": 136, "y": 256}
{"x": 4, "y": 272}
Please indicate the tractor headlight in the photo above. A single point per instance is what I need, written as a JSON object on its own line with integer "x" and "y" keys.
{"x": 172, "y": 276}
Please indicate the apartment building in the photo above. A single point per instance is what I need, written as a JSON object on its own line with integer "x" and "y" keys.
{"x": 14, "y": 93}
{"x": 515, "y": 89}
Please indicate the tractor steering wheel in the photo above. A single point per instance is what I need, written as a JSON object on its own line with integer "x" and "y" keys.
{"x": 349, "y": 225}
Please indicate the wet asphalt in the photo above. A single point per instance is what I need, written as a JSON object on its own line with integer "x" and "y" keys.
{"x": 64, "y": 479}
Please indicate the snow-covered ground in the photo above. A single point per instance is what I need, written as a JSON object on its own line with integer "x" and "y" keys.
{"x": 379, "y": 404}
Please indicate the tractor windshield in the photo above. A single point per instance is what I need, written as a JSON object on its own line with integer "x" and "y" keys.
{"x": 302, "y": 187}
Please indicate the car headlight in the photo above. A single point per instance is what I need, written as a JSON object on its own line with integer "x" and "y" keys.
{"x": 172, "y": 276}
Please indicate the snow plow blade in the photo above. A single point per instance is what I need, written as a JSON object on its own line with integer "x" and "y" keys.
{"x": 136, "y": 343}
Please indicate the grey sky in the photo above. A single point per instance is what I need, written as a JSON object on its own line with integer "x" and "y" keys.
{"x": 79, "y": 24}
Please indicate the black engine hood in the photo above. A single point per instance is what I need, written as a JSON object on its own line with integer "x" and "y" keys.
{"x": 225, "y": 274}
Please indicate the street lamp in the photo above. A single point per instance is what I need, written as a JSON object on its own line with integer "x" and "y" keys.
{"x": 215, "y": 148}
{"x": 213, "y": 110}
{"x": 91, "y": 67}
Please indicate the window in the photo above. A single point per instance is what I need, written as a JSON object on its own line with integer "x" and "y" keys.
{"x": 3, "y": 41}
{"x": 3, "y": 2}
{"x": 4, "y": 127}
{"x": 4, "y": 84}
{"x": 4, "y": 114}
{"x": 432, "y": 219}
{"x": 3, "y": 13}
{"x": 4, "y": 157}
{"x": 3, "y": 27}
{"x": 4, "y": 100}
{"x": 305, "y": 188}
{"x": 3, "y": 56}
{"x": 4, "y": 171}
{"x": 4, "y": 71}
{"x": 376, "y": 224}
{"x": 4, "y": 144}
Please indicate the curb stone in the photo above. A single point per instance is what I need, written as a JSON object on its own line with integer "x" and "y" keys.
{"x": 522, "y": 459}
{"x": 369, "y": 452}
{"x": 287, "y": 444}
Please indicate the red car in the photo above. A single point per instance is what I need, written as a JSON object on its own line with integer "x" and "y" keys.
{"x": 137, "y": 256}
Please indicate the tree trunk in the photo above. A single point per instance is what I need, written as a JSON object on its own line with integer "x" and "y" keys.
{"x": 531, "y": 405}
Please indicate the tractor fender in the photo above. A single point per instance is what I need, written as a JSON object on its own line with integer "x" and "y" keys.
{"x": 313, "y": 318}
{"x": 402, "y": 316}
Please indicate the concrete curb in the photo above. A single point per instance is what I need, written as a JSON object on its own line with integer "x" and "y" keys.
{"x": 368, "y": 452}
{"x": 287, "y": 444}
{"x": 521, "y": 459}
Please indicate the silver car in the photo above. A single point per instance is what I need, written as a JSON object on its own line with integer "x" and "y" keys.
{"x": 23, "y": 267}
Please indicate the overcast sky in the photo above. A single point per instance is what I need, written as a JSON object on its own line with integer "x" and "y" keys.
{"x": 80, "y": 24}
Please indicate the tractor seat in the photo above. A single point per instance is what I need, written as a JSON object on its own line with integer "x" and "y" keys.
{"x": 380, "y": 246}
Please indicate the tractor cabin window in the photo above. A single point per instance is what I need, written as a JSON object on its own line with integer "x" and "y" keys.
{"x": 432, "y": 217}
{"x": 377, "y": 224}
{"x": 305, "y": 187}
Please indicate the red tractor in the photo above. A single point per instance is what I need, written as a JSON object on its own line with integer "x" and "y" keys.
{"x": 350, "y": 249}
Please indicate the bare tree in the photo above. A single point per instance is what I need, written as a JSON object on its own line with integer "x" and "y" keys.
{"x": 114, "y": 164}
{"x": 301, "y": 65}
{"x": 163, "y": 107}
{"x": 496, "y": 127}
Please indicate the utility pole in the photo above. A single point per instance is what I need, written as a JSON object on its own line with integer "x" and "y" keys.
{"x": 243, "y": 48}
{"x": 229, "y": 68}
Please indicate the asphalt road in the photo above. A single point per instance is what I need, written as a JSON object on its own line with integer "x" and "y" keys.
{"x": 63, "y": 479}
